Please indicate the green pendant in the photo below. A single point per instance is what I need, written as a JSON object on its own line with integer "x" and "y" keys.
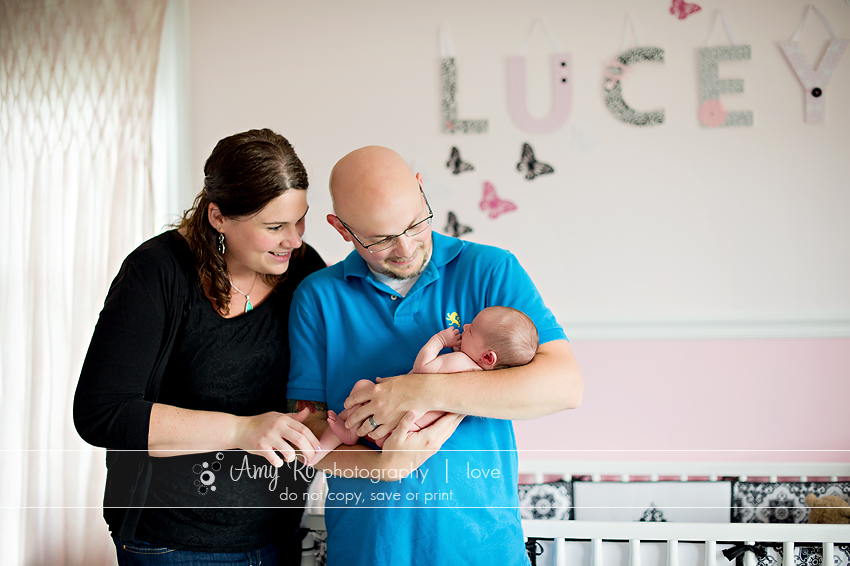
{"x": 248, "y": 305}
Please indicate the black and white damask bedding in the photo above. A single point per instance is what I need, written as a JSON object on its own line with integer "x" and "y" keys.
{"x": 675, "y": 501}
{"x": 549, "y": 501}
{"x": 782, "y": 502}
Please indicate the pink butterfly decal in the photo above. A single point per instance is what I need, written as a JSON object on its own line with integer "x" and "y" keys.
{"x": 682, "y": 9}
{"x": 492, "y": 204}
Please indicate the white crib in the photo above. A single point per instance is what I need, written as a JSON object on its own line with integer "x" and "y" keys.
{"x": 599, "y": 533}
{"x": 583, "y": 543}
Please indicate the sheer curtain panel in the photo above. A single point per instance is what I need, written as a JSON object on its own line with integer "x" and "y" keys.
{"x": 76, "y": 90}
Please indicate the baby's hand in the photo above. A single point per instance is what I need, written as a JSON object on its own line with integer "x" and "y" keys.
{"x": 450, "y": 337}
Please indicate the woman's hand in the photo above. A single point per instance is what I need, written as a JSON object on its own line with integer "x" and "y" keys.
{"x": 276, "y": 432}
{"x": 405, "y": 451}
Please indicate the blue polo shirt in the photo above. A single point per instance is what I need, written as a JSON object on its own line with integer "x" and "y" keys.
{"x": 461, "y": 505}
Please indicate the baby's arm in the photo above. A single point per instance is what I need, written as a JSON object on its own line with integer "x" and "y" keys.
{"x": 454, "y": 362}
{"x": 428, "y": 359}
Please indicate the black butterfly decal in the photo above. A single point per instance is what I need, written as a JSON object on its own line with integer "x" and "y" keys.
{"x": 457, "y": 165}
{"x": 454, "y": 228}
{"x": 531, "y": 166}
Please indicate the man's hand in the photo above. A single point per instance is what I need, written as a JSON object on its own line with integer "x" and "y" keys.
{"x": 386, "y": 402}
{"x": 405, "y": 451}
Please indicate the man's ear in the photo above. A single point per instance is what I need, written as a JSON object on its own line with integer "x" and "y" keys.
{"x": 334, "y": 221}
{"x": 489, "y": 358}
{"x": 215, "y": 216}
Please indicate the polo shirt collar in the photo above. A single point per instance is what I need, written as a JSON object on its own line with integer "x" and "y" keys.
{"x": 445, "y": 249}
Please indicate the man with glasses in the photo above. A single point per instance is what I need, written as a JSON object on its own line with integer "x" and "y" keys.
{"x": 367, "y": 317}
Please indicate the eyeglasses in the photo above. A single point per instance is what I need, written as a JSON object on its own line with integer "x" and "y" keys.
{"x": 390, "y": 241}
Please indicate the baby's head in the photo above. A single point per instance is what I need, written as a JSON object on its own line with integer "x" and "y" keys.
{"x": 500, "y": 337}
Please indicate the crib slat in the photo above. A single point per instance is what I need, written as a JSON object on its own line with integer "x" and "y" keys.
{"x": 653, "y": 477}
{"x": 308, "y": 555}
{"x": 634, "y": 552}
{"x": 596, "y": 553}
{"x": 772, "y": 479}
{"x": 750, "y": 557}
{"x": 710, "y": 553}
{"x": 828, "y": 554}
{"x": 625, "y": 478}
{"x": 672, "y": 553}
{"x": 538, "y": 477}
{"x": 787, "y": 554}
{"x": 560, "y": 552}
{"x": 804, "y": 479}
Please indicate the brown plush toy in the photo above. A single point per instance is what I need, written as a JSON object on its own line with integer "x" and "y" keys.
{"x": 829, "y": 509}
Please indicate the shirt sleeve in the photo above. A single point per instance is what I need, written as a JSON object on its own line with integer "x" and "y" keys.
{"x": 308, "y": 347}
{"x": 511, "y": 286}
{"x": 110, "y": 409}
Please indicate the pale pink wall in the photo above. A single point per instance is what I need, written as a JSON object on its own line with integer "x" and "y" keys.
{"x": 740, "y": 395}
{"x": 672, "y": 395}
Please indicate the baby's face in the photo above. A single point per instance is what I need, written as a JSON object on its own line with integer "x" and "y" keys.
{"x": 472, "y": 341}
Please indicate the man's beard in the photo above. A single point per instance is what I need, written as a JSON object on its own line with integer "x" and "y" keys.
{"x": 426, "y": 256}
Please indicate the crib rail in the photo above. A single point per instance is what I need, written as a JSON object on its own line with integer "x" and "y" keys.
{"x": 673, "y": 533}
{"x": 627, "y": 470}
{"x": 697, "y": 532}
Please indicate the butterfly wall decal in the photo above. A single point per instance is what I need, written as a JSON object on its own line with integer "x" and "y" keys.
{"x": 456, "y": 164}
{"x": 530, "y": 165}
{"x": 454, "y": 228}
{"x": 682, "y": 9}
{"x": 492, "y": 204}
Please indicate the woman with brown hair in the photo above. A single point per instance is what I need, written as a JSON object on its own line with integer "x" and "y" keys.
{"x": 185, "y": 378}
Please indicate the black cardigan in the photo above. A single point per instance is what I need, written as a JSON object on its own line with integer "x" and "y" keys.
{"x": 134, "y": 339}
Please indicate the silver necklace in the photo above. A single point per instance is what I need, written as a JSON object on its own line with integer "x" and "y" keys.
{"x": 248, "y": 305}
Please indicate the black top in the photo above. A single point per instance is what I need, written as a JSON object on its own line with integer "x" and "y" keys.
{"x": 159, "y": 339}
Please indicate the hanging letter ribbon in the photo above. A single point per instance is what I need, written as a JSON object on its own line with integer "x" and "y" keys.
{"x": 448, "y": 73}
{"x": 712, "y": 113}
{"x": 613, "y": 85}
{"x": 737, "y": 552}
{"x": 814, "y": 81}
{"x": 562, "y": 89}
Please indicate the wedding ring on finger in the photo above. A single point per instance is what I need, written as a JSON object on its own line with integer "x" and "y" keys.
{"x": 373, "y": 423}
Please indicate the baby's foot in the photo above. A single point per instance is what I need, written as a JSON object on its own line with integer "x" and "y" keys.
{"x": 337, "y": 425}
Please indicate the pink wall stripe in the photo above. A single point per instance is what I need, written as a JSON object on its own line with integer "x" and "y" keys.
{"x": 723, "y": 395}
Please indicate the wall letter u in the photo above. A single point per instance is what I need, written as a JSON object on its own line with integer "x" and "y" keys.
{"x": 562, "y": 94}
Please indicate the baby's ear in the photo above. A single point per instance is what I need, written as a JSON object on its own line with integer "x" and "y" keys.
{"x": 489, "y": 358}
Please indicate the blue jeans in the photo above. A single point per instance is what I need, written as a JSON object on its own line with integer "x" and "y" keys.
{"x": 140, "y": 553}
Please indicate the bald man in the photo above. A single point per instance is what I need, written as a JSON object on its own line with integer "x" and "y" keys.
{"x": 448, "y": 493}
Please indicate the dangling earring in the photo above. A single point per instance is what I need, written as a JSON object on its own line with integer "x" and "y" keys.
{"x": 221, "y": 246}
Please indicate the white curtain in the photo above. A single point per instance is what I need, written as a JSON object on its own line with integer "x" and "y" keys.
{"x": 76, "y": 91}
